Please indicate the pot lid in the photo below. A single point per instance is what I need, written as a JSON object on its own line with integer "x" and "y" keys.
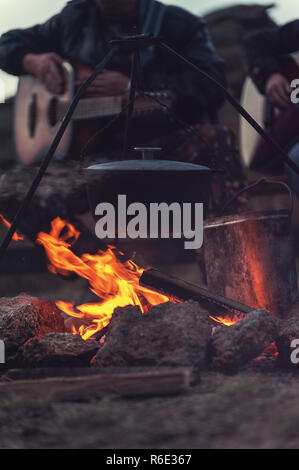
{"x": 148, "y": 165}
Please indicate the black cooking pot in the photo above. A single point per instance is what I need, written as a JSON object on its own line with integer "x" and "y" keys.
{"x": 148, "y": 181}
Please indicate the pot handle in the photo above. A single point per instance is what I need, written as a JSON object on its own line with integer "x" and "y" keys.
{"x": 257, "y": 183}
{"x": 148, "y": 153}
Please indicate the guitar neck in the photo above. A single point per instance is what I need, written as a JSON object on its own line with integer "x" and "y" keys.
{"x": 92, "y": 108}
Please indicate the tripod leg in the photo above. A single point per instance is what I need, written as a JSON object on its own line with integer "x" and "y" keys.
{"x": 45, "y": 163}
{"x": 133, "y": 89}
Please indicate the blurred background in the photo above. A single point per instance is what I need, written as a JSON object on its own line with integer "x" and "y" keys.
{"x": 20, "y": 14}
{"x": 228, "y": 22}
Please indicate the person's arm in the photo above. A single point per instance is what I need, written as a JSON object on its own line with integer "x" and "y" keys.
{"x": 192, "y": 90}
{"x": 39, "y": 39}
{"x": 262, "y": 51}
{"x": 34, "y": 51}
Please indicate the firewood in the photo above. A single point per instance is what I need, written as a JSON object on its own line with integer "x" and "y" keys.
{"x": 232, "y": 347}
{"x": 183, "y": 290}
{"x": 151, "y": 383}
{"x": 69, "y": 372}
{"x": 50, "y": 372}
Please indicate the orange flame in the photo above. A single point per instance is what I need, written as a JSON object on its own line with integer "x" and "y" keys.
{"x": 115, "y": 282}
{"x": 15, "y": 237}
{"x": 229, "y": 320}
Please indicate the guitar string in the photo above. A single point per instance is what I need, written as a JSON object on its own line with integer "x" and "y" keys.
{"x": 100, "y": 131}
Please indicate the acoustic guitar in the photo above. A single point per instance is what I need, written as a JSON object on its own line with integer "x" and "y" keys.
{"x": 38, "y": 115}
{"x": 282, "y": 125}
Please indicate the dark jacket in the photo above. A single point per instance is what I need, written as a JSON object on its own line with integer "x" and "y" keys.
{"x": 264, "y": 48}
{"x": 75, "y": 32}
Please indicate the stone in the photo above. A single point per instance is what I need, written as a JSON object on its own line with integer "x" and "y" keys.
{"x": 233, "y": 346}
{"x": 169, "y": 334}
{"x": 24, "y": 317}
{"x": 57, "y": 350}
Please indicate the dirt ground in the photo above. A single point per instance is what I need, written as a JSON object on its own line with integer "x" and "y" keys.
{"x": 250, "y": 410}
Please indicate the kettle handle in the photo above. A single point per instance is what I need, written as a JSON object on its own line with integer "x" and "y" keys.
{"x": 148, "y": 153}
{"x": 257, "y": 183}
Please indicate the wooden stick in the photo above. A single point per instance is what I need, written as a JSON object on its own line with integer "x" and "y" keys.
{"x": 151, "y": 383}
{"x": 183, "y": 290}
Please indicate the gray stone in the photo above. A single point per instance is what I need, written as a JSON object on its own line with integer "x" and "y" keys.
{"x": 234, "y": 346}
{"x": 168, "y": 335}
{"x": 57, "y": 349}
{"x": 24, "y": 317}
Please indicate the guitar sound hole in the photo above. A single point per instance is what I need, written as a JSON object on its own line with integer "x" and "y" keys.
{"x": 52, "y": 112}
{"x": 32, "y": 115}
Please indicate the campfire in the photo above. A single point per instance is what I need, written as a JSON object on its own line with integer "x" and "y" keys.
{"x": 141, "y": 318}
{"x": 114, "y": 281}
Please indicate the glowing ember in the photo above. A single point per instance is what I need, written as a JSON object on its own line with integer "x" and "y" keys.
{"x": 270, "y": 351}
{"x": 15, "y": 237}
{"x": 115, "y": 282}
{"x": 229, "y": 320}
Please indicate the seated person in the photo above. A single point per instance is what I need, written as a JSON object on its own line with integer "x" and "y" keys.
{"x": 80, "y": 34}
{"x": 264, "y": 53}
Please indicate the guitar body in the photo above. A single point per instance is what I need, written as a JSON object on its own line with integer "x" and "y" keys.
{"x": 38, "y": 115}
{"x": 282, "y": 125}
{"x": 255, "y": 104}
{"x": 35, "y": 125}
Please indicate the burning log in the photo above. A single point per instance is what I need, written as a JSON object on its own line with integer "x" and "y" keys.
{"x": 24, "y": 317}
{"x": 132, "y": 384}
{"x": 168, "y": 335}
{"x": 233, "y": 347}
{"x": 57, "y": 349}
{"x": 168, "y": 285}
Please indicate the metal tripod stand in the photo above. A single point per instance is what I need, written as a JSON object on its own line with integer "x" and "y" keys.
{"x": 134, "y": 44}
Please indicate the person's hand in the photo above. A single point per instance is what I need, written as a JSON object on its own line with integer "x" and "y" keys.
{"x": 108, "y": 83}
{"x": 278, "y": 90}
{"x": 47, "y": 68}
